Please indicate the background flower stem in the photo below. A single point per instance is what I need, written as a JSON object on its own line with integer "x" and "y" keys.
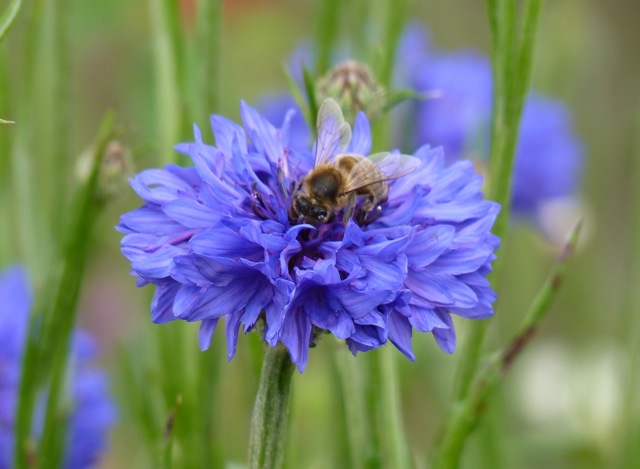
{"x": 511, "y": 57}
{"x": 385, "y": 404}
{"x": 59, "y": 319}
{"x": 209, "y": 23}
{"x": 164, "y": 23}
{"x": 395, "y": 18}
{"x": 8, "y": 17}
{"x": 271, "y": 409}
{"x": 326, "y": 34}
{"x": 463, "y": 417}
{"x": 630, "y": 409}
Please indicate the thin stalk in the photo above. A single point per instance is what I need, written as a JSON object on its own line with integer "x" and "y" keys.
{"x": 629, "y": 415}
{"x": 326, "y": 34}
{"x": 29, "y": 222}
{"x": 512, "y": 57}
{"x": 270, "y": 411}
{"x": 464, "y": 415}
{"x": 388, "y": 424}
{"x": 8, "y": 17}
{"x": 209, "y": 46}
{"x": 60, "y": 319}
{"x": 396, "y": 15}
{"x": 166, "y": 80}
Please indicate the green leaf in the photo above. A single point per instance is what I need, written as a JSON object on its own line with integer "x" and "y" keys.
{"x": 396, "y": 97}
{"x": 309, "y": 87}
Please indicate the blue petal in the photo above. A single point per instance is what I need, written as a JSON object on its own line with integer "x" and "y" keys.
{"x": 425, "y": 319}
{"x": 207, "y": 328}
{"x": 232, "y": 327}
{"x": 462, "y": 261}
{"x": 361, "y": 138}
{"x": 296, "y": 336}
{"x": 400, "y": 334}
{"x": 441, "y": 289}
{"x": 159, "y": 186}
{"x": 162, "y": 303}
{"x": 190, "y": 213}
{"x": 263, "y": 135}
{"x": 225, "y": 132}
{"x": 220, "y": 241}
{"x": 445, "y": 337}
{"x": 149, "y": 219}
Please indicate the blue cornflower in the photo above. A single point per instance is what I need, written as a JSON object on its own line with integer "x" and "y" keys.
{"x": 93, "y": 411}
{"x": 231, "y": 238}
{"x": 548, "y": 155}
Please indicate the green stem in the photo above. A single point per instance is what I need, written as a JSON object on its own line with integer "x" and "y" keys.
{"x": 8, "y": 17}
{"x": 270, "y": 411}
{"x": 166, "y": 80}
{"x": 463, "y": 416}
{"x": 59, "y": 320}
{"x": 629, "y": 420}
{"x": 327, "y": 33}
{"x": 396, "y": 14}
{"x": 209, "y": 47}
{"x": 512, "y": 58}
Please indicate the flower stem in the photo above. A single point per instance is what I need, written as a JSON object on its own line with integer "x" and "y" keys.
{"x": 629, "y": 453}
{"x": 463, "y": 416}
{"x": 270, "y": 411}
{"x": 60, "y": 317}
{"x": 326, "y": 34}
{"x": 512, "y": 56}
{"x": 166, "y": 62}
{"x": 9, "y": 16}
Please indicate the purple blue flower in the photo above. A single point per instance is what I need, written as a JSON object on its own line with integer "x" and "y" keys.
{"x": 93, "y": 411}
{"x": 458, "y": 117}
{"x": 221, "y": 240}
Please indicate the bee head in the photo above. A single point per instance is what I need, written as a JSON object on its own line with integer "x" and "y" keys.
{"x": 311, "y": 212}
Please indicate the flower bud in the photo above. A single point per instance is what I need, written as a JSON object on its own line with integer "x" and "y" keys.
{"x": 115, "y": 169}
{"x": 355, "y": 89}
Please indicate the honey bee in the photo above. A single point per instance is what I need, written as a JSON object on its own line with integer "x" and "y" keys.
{"x": 339, "y": 181}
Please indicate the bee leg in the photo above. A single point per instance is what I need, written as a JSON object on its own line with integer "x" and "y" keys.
{"x": 349, "y": 209}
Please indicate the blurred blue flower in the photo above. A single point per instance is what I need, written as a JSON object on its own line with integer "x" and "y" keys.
{"x": 458, "y": 117}
{"x": 93, "y": 411}
{"x": 221, "y": 240}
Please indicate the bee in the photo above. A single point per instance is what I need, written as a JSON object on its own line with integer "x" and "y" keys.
{"x": 339, "y": 181}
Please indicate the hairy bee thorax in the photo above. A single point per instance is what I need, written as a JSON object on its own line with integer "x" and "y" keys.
{"x": 325, "y": 183}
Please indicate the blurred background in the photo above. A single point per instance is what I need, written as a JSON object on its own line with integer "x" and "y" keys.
{"x": 571, "y": 401}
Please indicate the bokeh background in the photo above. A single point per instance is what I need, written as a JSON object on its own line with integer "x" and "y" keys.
{"x": 572, "y": 399}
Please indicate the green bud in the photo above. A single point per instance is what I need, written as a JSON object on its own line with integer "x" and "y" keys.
{"x": 115, "y": 169}
{"x": 355, "y": 89}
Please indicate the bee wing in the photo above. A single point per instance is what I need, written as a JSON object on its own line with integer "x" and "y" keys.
{"x": 380, "y": 167}
{"x": 334, "y": 133}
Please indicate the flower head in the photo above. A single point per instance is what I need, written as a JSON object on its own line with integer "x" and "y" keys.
{"x": 93, "y": 411}
{"x": 230, "y": 239}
